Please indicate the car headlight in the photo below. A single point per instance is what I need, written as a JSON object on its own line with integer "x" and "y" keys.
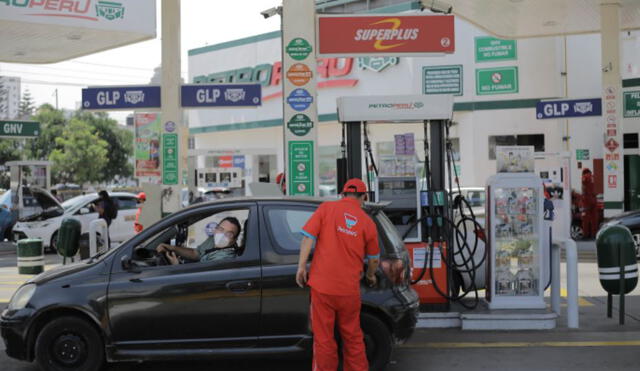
{"x": 21, "y": 297}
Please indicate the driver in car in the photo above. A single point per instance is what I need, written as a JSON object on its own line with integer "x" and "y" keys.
{"x": 221, "y": 245}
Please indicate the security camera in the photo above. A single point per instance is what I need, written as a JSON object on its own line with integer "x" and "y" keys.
{"x": 271, "y": 12}
{"x": 437, "y": 6}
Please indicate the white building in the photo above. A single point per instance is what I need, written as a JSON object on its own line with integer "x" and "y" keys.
{"x": 545, "y": 68}
{"x": 9, "y": 97}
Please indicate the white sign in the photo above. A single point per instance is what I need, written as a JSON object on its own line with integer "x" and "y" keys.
{"x": 422, "y": 253}
{"x": 399, "y": 108}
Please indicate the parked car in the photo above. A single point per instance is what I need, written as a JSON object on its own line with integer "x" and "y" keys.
{"x": 631, "y": 220}
{"x": 46, "y": 225}
{"x": 127, "y": 305}
{"x": 36, "y": 202}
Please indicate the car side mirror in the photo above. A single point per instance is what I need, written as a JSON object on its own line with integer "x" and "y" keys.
{"x": 84, "y": 210}
{"x": 128, "y": 265}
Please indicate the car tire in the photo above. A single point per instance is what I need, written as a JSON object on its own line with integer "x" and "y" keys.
{"x": 53, "y": 244}
{"x": 377, "y": 340}
{"x": 69, "y": 343}
{"x": 576, "y": 232}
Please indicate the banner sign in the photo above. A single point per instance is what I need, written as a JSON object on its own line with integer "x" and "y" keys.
{"x": 568, "y": 108}
{"x": 170, "y": 158}
{"x": 221, "y": 95}
{"x": 147, "y": 149}
{"x": 490, "y": 49}
{"x": 121, "y": 97}
{"x": 631, "y": 102}
{"x": 442, "y": 79}
{"x": 410, "y": 35}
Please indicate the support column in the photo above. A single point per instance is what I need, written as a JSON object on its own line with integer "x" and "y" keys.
{"x": 613, "y": 169}
{"x": 354, "y": 151}
{"x": 175, "y": 134}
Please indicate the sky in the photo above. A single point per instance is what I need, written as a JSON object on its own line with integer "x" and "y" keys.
{"x": 204, "y": 22}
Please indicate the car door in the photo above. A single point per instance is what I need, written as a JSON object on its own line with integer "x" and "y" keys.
{"x": 285, "y": 306}
{"x": 122, "y": 226}
{"x": 86, "y": 214}
{"x": 200, "y": 305}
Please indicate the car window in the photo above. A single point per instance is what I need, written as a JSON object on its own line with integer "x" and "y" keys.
{"x": 126, "y": 203}
{"x": 285, "y": 227}
{"x": 476, "y": 198}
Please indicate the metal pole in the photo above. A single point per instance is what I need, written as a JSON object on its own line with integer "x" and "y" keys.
{"x": 573, "y": 314}
{"x": 555, "y": 278}
{"x": 354, "y": 150}
{"x": 621, "y": 265}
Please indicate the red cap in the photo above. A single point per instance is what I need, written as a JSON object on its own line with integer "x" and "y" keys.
{"x": 354, "y": 185}
{"x": 142, "y": 196}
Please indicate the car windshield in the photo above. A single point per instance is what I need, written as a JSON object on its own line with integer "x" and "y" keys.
{"x": 389, "y": 237}
{"x": 5, "y": 199}
{"x": 75, "y": 202}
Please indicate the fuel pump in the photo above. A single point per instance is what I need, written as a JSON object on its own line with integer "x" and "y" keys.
{"x": 424, "y": 199}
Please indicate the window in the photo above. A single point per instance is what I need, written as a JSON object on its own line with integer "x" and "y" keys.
{"x": 455, "y": 149}
{"x": 630, "y": 140}
{"x": 328, "y": 172}
{"x": 203, "y": 229}
{"x": 535, "y": 140}
{"x": 285, "y": 226}
{"x": 126, "y": 203}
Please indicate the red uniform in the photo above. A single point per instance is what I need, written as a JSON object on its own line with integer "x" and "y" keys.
{"x": 589, "y": 205}
{"x": 344, "y": 234}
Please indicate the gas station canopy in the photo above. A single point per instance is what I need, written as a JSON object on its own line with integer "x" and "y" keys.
{"x": 514, "y": 19}
{"x": 52, "y": 31}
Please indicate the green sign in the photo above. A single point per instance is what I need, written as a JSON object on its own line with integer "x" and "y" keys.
{"x": 301, "y": 168}
{"x": 490, "y": 49}
{"x": 298, "y": 49}
{"x": 19, "y": 129}
{"x": 582, "y": 154}
{"x": 631, "y": 103}
{"x": 300, "y": 124}
{"x": 503, "y": 80}
{"x": 442, "y": 80}
{"x": 170, "y": 158}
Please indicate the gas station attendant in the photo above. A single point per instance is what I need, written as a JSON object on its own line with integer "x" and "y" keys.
{"x": 343, "y": 234}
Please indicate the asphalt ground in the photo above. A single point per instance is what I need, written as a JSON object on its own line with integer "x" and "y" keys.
{"x": 599, "y": 344}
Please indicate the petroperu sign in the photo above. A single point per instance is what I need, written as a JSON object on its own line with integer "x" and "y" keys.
{"x": 415, "y": 35}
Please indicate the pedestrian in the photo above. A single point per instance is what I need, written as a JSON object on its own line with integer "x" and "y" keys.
{"x": 107, "y": 210}
{"x": 54, "y": 193}
{"x": 141, "y": 198}
{"x": 589, "y": 205}
{"x": 344, "y": 234}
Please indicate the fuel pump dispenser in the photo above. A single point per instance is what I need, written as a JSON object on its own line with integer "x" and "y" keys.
{"x": 420, "y": 207}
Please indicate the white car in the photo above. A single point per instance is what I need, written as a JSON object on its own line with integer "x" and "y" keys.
{"x": 81, "y": 208}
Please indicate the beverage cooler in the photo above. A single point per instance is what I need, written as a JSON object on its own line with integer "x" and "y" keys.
{"x": 516, "y": 241}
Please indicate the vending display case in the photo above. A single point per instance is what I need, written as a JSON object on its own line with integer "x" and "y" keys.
{"x": 516, "y": 241}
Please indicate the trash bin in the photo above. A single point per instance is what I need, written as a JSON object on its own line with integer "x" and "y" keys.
{"x": 615, "y": 249}
{"x": 69, "y": 237}
{"x": 30, "y": 256}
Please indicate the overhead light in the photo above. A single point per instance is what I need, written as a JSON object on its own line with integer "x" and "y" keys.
{"x": 550, "y": 24}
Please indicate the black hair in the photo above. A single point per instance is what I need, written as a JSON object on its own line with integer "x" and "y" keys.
{"x": 103, "y": 195}
{"x": 234, "y": 221}
{"x": 354, "y": 194}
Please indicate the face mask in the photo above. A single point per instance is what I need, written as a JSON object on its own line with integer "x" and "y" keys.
{"x": 221, "y": 240}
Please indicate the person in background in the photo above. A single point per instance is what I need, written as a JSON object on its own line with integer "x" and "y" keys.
{"x": 589, "y": 205}
{"x": 344, "y": 234}
{"x": 142, "y": 197}
{"x": 54, "y": 193}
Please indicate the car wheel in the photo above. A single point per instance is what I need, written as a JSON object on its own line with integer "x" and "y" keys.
{"x": 69, "y": 343}
{"x": 576, "y": 232}
{"x": 377, "y": 340}
{"x": 53, "y": 244}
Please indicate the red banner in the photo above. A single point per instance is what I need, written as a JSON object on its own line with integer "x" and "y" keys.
{"x": 225, "y": 161}
{"x": 389, "y": 34}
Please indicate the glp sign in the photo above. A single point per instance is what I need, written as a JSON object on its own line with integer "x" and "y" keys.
{"x": 121, "y": 97}
{"x": 568, "y": 108}
{"x": 220, "y": 95}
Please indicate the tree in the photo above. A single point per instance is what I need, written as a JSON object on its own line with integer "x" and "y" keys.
{"x": 26, "y": 107}
{"x": 80, "y": 156}
{"x": 120, "y": 144}
{"x": 52, "y": 123}
{"x": 9, "y": 151}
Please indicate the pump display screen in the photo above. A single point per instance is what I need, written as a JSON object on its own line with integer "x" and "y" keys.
{"x": 403, "y": 210}
{"x": 211, "y": 178}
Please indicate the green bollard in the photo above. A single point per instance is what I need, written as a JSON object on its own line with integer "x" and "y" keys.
{"x": 617, "y": 265}
{"x": 30, "y": 256}
{"x": 69, "y": 238}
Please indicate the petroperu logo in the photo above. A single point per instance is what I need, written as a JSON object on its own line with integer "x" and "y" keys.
{"x": 386, "y": 38}
{"x": 79, "y": 9}
{"x": 234, "y": 95}
{"x": 134, "y": 96}
{"x": 350, "y": 220}
{"x": 397, "y": 106}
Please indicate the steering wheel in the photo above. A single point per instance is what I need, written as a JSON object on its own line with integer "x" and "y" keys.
{"x": 161, "y": 259}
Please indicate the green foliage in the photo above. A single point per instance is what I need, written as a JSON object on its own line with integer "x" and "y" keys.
{"x": 81, "y": 155}
{"x": 26, "y": 107}
{"x": 52, "y": 123}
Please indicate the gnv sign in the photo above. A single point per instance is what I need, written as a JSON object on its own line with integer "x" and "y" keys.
{"x": 121, "y": 97}
{"x": 569, "y": 108}
{"x": 221, "y": 95}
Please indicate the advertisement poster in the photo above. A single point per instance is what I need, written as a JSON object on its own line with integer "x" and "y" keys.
{"x": 147, "y": 150}
{"x": 515, "y": 159}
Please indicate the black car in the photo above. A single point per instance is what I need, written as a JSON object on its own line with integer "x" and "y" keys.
{"x": 129, "y": 305}
{"x": 631, "y": 220}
